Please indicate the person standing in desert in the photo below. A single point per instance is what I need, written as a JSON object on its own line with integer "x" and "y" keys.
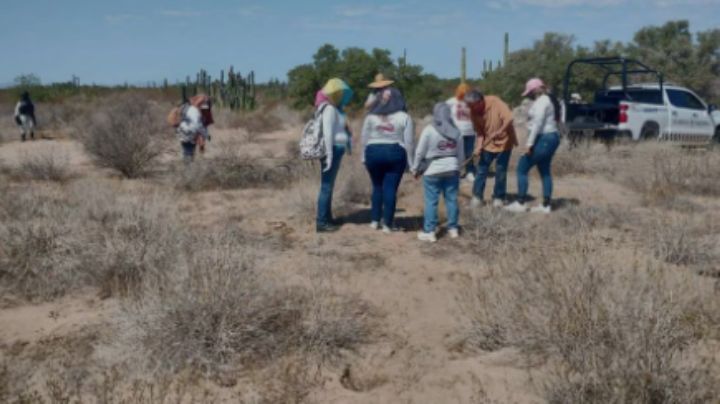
{"x": 377, "y": 87}
{"x": 330, "y": 102}
{"x": 542, "y": 143}
{"x": 438, "y": 160}
{"x": 462, "y": 118}
{"x": 388, "y": 139}
{"x": 493, "y": 123}
{"x": 25, "y": 116}
{"x": 193, "y": 129}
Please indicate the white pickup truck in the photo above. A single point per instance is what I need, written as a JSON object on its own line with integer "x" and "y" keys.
{"x": 640, "y": 111}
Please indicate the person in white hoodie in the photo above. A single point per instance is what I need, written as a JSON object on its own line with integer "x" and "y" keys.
{"x": 462, "y": 118}
{"x": 438, "y": 159}
{"x": 193, "y": 129}
{"x": 330, "y": 102}
{"x": 542, "y": 143}
{"x": 388, "y": 139}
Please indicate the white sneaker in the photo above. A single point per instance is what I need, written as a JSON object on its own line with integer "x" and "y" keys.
{"x": 470, "y": 177}
{"x": 541, "y": 209}
{"x": 388, "y": 230}
{"x": 516, "y": 207}
{"x": 498, "y": 203}
{"x": 454, "y": 233}
{"x": 374, "y": 225}
{"x": 428, "y": 237}
{"x": 476, "y": 202}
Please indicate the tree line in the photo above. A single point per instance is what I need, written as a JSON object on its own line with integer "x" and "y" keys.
{"x": 686, "y": 58}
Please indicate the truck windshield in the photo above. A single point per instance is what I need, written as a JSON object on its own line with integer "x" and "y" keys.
{"x": 642, "y": 95}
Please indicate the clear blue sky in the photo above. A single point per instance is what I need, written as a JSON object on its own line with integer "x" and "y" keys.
{"x": 144, "y": 40}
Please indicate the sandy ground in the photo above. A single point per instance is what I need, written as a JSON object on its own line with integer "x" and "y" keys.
{"x": 415, "y": 360}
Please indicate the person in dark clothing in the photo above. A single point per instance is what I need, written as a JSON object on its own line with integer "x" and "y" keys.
{"x": 25, "y": 116}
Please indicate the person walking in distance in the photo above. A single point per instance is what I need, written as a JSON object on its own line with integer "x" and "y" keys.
{"x": 25, "y": 116}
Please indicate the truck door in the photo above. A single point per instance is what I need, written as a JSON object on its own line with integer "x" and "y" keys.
{"x": 689, "y": 119}
{"x": 680, "y": 115}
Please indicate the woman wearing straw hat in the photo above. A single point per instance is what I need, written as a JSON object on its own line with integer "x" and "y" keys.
{"x": 376, "y": 87}
{"x": 542, "y": 143}
{"x": 330, "y": 101}
{"x": 388, "y": 138}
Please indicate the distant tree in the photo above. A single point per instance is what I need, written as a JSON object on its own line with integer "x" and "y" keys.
{"x": 27, "y": 80}
{"x": 358, "y": 68}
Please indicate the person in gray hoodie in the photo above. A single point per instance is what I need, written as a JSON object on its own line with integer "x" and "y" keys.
{"x": 438, "y": 159}
{"x": 388, "y": 138}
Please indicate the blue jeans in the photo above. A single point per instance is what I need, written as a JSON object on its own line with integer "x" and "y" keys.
{"x": 386, "y": 164}
{"x": 542, "y": 154}
{"x": 447, "y": 186}
{"x": 188, "y": 149}
{"x": 469, "y": 149}
{"x": 501, "y": 166}
{"x": 327, "y": 185}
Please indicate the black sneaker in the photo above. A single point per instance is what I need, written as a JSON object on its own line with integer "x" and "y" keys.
{"x": 326, "y": 228}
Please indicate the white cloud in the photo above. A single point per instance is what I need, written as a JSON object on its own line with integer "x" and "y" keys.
{"x": 181, "y": 13}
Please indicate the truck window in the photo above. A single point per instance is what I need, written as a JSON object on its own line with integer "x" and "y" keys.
{"x": 683, "y": 99}
{"x": 645, "y": 96}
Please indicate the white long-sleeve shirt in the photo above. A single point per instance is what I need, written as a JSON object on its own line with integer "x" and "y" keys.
{"x": 461, "y": 116}
{"x": 445, "y": 156}
{"x": 397, "y": 128}
{"x": 541, "y": 119}
{"x": 191, "y": 125}
{"x": 334, "y": 130}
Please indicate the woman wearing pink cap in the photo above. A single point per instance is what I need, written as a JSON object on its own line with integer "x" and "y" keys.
{"x": 542, "y": 143}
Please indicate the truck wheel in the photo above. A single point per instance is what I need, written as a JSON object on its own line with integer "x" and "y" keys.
{"x": 650, "y": 131}
{"x": 716, "y": 138}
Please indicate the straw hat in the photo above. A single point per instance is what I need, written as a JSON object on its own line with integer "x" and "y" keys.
{"x": 380, "y": 81}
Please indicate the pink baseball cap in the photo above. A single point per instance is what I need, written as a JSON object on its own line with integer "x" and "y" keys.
{"x": 532, "y": 85}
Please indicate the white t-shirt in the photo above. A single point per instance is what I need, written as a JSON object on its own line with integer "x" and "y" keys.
{"x": 461, "y": 116}
{"x": 395, "y": 128}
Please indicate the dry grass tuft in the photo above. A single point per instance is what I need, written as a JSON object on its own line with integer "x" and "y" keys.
{"x": 45, "y": 165}
{"x": 234, "y": 171}
{"x": 620, "y": 331}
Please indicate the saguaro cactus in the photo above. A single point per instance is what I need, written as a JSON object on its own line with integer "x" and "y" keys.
{"x": 463, "y": 66}
{"x": 236, "y": 93}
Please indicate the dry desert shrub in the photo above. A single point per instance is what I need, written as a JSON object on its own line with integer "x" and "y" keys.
{"x": 55, "y": 240}
{"x": 674, "y": 173}
{"x": 45, "y": 165}
{"x": 125, "y": 134}
{"x": 690, "y": 242}
{"x": 220, "y": 311}
{"x": 42, "y": 249}
{"x": 618, "y": 330}
{"x": 234, "y": 171}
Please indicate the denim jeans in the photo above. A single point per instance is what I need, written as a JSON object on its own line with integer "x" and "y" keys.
{"x": 469, "y": 149}
{"x": 448, "y": 186}
{"x": 327, "y": 185}
{"x": 542, "y": 154}
{"x": 501, "y": 165}
{"x": 188, "y": 149}
{"x": 386, "y": 164}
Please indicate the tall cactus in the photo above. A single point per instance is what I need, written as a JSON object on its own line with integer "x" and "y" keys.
{"x": 463, "y": 66}
{"x": 506, "y": 49}
{"x": 235, "y": 92}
